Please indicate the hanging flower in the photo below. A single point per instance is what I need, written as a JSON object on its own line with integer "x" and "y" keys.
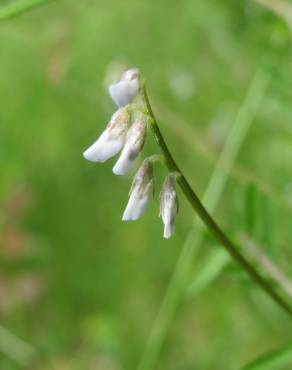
{"x": 119, "y": 137}
{"x": 134, "y": 144}
{"x": 127, "y": 88}
{"x": 168, "y": 205}
{"x": 112, "y": 139}
{"x": 140, "y": 193}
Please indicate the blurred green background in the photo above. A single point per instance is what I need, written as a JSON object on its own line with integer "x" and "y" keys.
{"x": 80, "y": 289}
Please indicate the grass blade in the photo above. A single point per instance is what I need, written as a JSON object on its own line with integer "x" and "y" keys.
{"x": 268, "y": 227}
{"x": 272, "y": 360}
{"x": 17, "y": 7}
{"x": 211, "y": 269}
{"x": 252, "y": 210}
{"x": 15, "y": 348}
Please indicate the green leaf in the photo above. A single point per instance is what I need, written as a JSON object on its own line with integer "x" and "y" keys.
{"x": 272, "y": 360}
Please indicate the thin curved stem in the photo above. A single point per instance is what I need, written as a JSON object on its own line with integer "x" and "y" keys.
{"x": 210, "y": 223}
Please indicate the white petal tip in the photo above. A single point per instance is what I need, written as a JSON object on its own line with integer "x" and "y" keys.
{"x": 135, "y": 209}
{"x": 93, "y": 157}
{"x": 103, "y": 149}
{"x": 87, "y": 155}
{"x": 129, "y": 218}
{"x": 167, "y": 231}
{"x": 117, "y": 171}
{"x": 131, "y": 215}
{"x": 122, "y": 166}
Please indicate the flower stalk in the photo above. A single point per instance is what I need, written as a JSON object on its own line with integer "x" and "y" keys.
{"x": 130, "y": 95}
{"x": 207, "y": 219}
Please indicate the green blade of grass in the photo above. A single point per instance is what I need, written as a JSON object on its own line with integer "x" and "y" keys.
{"x": 178, "y": 282}
{"x": 15, "y": 348}
{"x": 272, "y": 360}
{"x": 17, "y": 7}
{"x": 210, "y": 270}
{"x": 268, "y": 227}
{"x": 252, "y": 210}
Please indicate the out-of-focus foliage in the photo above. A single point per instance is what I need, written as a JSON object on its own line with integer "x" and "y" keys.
{"x": 76, "y": 283}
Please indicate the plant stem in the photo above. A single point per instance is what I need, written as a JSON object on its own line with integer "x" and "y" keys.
{"x": 180, "y": 284}
{"x": 205, "y": 216}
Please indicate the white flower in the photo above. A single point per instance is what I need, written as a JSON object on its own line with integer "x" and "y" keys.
{"x": 140, "y": 193}
{"x": 111, "y": 140}
{"x": 127, "y": 88}
{"x": 133, "y": 146}
{"x": 168, "y": 205}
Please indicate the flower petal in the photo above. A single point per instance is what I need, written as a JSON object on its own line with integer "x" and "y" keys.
{"x": 135, "y": 208}
{"x": 168, "y": 205}
{"x": 104, "y": 148}
{"x": 140, "y": 193}
{"x": 124, "y": 162}
{"x": 111, "y": 140}
{"x": 168, "y": 229}
{"x": 134, "y": 144}
{"x": 127, "y": 88}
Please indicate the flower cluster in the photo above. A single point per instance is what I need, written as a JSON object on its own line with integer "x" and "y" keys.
{"x": 118, "y": 136}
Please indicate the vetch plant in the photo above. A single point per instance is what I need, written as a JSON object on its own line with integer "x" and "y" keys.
{"x": 131, "y": 97}
{"x": 119, "y": 136}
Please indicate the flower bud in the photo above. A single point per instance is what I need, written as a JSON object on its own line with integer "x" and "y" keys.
{"x": 111, "y": 140}
{"x": 168, "y": 205}
{"x": 127, "y": 88}
{"x": 134, "y": 144}
{"x": 140, "y": 193}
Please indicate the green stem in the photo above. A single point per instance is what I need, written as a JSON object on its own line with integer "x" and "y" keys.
{"x": 205, "y": 216}
{"x": 18, "y": 7}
